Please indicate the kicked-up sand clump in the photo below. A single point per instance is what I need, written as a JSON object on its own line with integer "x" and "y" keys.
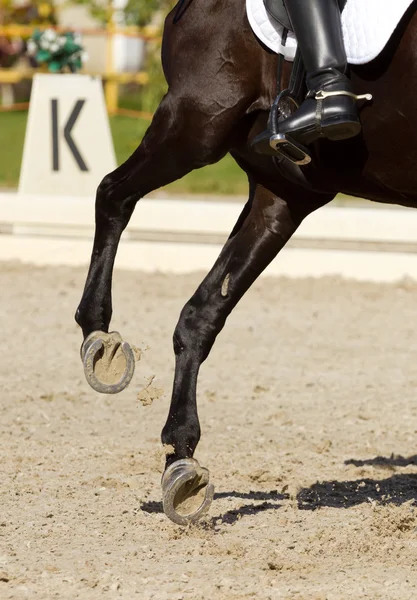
{"x": 149, "y": 393}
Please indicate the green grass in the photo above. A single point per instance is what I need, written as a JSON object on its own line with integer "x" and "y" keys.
{"x": 223, "y": 178}
{"x": 12, "y": 133}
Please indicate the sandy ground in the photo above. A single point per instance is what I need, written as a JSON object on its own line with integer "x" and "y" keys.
{"x": 310, "y": 382}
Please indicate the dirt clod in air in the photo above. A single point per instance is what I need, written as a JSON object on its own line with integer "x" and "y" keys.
{"x": 149, "y": 393}
{"x": 137, "y": 353}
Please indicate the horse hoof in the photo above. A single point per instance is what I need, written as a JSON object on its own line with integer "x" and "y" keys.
{"x": 109, "y": 363}
{"x": 186, "y": 491}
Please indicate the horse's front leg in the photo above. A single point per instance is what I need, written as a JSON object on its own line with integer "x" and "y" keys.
{"x": 198, "y": 121}
{"x": 271, "y": 221}
{"x": 167, "y": 153}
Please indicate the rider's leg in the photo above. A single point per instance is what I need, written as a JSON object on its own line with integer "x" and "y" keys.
{"x": 317, "y": 26}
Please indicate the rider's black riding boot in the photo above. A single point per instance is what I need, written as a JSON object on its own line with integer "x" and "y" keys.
{"x": 329, "y": 110}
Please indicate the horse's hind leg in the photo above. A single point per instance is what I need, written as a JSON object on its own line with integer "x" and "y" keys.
{"x": 269, "y": 224}
{"x": 167, "y": 153}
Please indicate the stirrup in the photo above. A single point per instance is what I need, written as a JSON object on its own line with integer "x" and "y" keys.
{"x": 290, "y": 149}
{"x": 271, "y": 142}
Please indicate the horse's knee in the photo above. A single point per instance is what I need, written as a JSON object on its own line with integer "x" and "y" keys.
{"x": 104, "y": 195}
{"x": 186, "y": 332}
{"x": 113, "y": 202}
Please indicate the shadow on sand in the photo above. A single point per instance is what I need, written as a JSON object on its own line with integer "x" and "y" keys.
{"x": 397, "y": 489}
{"x": 268, "y": 501}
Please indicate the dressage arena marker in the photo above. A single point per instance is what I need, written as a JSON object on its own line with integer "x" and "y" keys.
{"x": 68, "y": 143}
{"x": 182, "y": 236}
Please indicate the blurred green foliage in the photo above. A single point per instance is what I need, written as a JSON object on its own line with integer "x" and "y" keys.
{"x": 136, "y": 12}
{"x": 140, "y": 13}
{"x": 153, "y": 93}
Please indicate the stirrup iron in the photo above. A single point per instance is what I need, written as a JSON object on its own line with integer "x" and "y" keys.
{"x": 280, "y": 143}
{"x": 285, "y": 144}
{"x": 290, "y": 149}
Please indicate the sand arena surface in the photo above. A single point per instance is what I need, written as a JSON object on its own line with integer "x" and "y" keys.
{"x": 309, "y": 382}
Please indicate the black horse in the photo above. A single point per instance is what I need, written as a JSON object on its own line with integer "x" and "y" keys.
{"x": 222, "y": 82}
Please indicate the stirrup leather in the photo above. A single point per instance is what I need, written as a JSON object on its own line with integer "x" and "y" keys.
{"x": 283, "y": 143}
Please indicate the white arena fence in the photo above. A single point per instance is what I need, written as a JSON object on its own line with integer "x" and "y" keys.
{"x": 182, "y": 236}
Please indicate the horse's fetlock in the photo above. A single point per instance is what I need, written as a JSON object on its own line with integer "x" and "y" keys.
{"x": 91, "y": 316}
{"x": 181, "y": 440}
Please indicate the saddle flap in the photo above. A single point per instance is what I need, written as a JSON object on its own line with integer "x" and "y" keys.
{"x": 277, "y": 10}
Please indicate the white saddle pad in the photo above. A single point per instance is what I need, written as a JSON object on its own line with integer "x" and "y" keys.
{"x": 367, "y": 27}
